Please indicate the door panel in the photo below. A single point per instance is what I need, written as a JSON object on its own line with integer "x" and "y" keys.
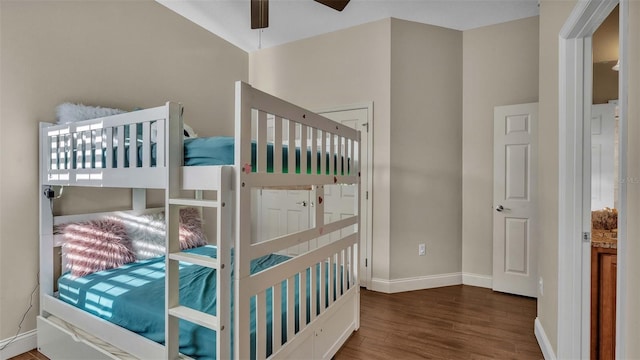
{"x": 514, "y": 214}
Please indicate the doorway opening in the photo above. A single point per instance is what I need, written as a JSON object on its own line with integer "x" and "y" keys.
{"x": 604, "y": 189}
{"x": 575, "y": 157}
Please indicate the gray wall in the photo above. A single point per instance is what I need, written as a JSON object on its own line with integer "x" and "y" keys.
{"x": 500, "y": 66}
{"x": 341, "y": 68}
{"x": 417, "y": 112}
{"x": 426, "y": 149}
{"x": 124, "y": 54}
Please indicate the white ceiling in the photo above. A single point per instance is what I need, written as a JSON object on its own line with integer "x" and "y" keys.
{"x": 291, "y": 20}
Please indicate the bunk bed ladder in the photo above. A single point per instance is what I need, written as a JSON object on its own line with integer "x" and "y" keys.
{"x": 220, "y": 323}
{"x": 175, "y": 312}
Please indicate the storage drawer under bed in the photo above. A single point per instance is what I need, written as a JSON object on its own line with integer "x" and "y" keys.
{"x": 57, "y": 342}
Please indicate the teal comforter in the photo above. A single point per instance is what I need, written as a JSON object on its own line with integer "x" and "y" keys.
{"x": 132, "y": 297}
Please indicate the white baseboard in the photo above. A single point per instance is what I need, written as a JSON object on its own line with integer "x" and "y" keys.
{"x": 415, "y": 283}
{"x": 543, "y": 341}
{"x": 485, "y": 281}
{"x": 23, "y": 343}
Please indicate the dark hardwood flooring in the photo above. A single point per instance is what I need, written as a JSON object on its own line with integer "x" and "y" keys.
{"x": 454, "y": 322}
{"x": 30, "y": 355}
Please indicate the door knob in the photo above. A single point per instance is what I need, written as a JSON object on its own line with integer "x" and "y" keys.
{"x": 500, "y": 208}
{"x": 303, "y": 203}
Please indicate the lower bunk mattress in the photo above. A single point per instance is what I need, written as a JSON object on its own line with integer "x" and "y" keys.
{"x": 133, "y": 297}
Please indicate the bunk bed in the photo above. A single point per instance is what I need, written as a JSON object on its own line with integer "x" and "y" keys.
{"x": 276, "y": 145}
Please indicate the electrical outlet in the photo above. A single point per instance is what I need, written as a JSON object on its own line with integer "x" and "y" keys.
{"x": 422, "y": 249}
{"x": 540, "y": 286}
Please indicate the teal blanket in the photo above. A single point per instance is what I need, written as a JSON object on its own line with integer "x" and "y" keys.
{"x": 132, "y": 297}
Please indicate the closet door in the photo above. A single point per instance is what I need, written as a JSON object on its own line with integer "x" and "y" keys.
{"x": 283, "y": 212}
{"x": 514, "y": 196}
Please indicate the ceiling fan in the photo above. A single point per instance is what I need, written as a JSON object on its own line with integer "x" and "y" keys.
{"x": 260, "y": 11}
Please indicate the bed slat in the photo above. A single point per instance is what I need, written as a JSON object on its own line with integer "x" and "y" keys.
{"x": 133, "y": 145}
{"x": 277, "y": 317}
{"x": 160, "y": 145}
{"x": 277, "y": 146}
{"x": 323, "y": 152}
{"x": 332, "y": 152}
{"x": 314, "y": 151}
{"x": 313, "y": 293}
{"x": 261, "y": 143}
{"x": 302, "y": 298}
{"x": 121, "y": 146}
{"x": 291, "y": 286}
{"x": 331, "y": 279}
{"x": 291, "y": 166}
{"x": 345, "y": 270}
{"x": 261, "y": 326}
{"x": 109, "y": 149}
{"x": 304, "y": 135}
{"x": 146, "y": 144}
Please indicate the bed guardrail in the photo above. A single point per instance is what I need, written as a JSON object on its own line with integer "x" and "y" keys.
{"x": 118, "y": 152}
{"x": 325, "y": 153}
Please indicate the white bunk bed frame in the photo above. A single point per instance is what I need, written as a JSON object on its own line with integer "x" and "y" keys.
{"x": 67, "y": 332}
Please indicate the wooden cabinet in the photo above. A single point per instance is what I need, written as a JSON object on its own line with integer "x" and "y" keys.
{"x": 603, "y": 303}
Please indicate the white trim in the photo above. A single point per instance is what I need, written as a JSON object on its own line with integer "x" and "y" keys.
{"x": 368, "y": 279}
{"x": 485, "y": 281}
{"x": 543, "y": 341}
{"x": 416, "y": 283}
{"x": 24, "y": 342}
{"x": 574, "y": 42}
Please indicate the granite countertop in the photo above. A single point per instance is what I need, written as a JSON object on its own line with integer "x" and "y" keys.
{"x": 604, "y": 239}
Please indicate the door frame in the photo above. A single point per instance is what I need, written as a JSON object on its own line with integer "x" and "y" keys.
{"x": 368, "y": 204}
{"x": 575, "y": 89}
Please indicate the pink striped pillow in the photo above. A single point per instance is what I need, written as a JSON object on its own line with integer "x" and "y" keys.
{"x": 96, "y": 245}
{"x": 191, "y": 233}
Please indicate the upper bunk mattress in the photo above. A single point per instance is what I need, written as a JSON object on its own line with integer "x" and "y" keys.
{"x": 220, "y": 150}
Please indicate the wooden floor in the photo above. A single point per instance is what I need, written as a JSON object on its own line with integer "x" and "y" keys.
{"x": 455, "y": 322}
{"x": 31, "y": 355}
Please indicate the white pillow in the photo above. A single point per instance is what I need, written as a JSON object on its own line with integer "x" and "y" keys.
{"x": 188, "y": 132}
{"x": 68, "y": 112}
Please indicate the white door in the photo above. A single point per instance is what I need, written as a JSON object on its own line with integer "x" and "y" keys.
{"x": 514, "y": 194}
{"x": 341, "y": 201}
{"x": 283, "y": 212}
{"x": 603, "y": 128}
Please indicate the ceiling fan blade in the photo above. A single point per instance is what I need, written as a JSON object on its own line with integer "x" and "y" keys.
{"x": 334, "y": 4}
{"x": 259, "y": 14}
